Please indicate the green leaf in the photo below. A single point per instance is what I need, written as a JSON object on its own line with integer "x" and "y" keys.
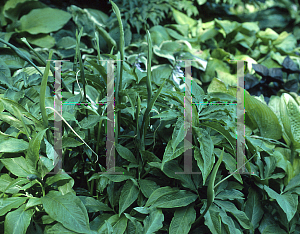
{"x": 263, "y": 116}
{"x": 125, "y": 153}
{"x": 68, "y": 210}
{"x": 6, "y": 204}
{"x": 213, "y": 220}
{"x": 158, "y": 35}
{"x": 32, "y": 154}
{"x": 290, "y": 117}
{"x": 128, "y": 195}
{"x": 287, "y": 201}
{"x": 154, "y": 221}
{"x": 253, "y": 207}
{"x": 42, "y": 20}
{"x": 18, "y": 166}
{"x": 268, "y": 34}
{"x": 182, "y": 220}
{"x": 205, "y": 160}
{"x": 227, "y": 26}
{"x": 42, "y": 40}
{"x": 231, "y": 208}
{"x": 18, "y": 221}
{"x": 167, "y": 197}
{"x": 171, "y": 154}
{"x": 178, "y": 134}
{"x": 182, "y": 18}
{"x": 186, "y": 181}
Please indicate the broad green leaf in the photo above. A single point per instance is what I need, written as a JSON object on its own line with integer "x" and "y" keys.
{"x": 116, "y": 177}
{"x": 287, "y": 201}
{"x": 271, "y": 229}
{"x": 182, "y": 18}
{"x": 18, "y": 221}
{"x": 93, "y": 205}
{"x": 288, "y": 44}
{"x": 42, "y": 20}
{"x": 6, "y": 204}
{"x": 290, "y": 117}
{"x": 126, "y": 153}
{"x": 154, "y": 221}
{"x": 213, "y": 220}
{"x": 268, "y": 34}
{"x": 208, "y": 34}
{"x": 178, "y": 134}
{"x": 228, "y": 221}
{"x": 293, "y": 183}
{"x": 158, "y": 35}
{"x": 171, "y": 167}
{"x": 58, "y": 177}
{"x": 128, "y": 195}
{"x": 147, "y": 187}
{"x": 205, "y": 160}
{"x": 59, "y": 228}
{"x": 210, "y": 70}
{"x": 182, "y": 220}
{"x": 263, "y": 116}
{"x": 227, "y": 26}
{"x": 68, "y": 210}
{"x": 230, "y": 163}
{"x": 12, "y": 60}
{"x": 253, "y": 207}
{"x": 167, "y": 197}
{"x": 121, "y": 225}
{"x": 108, "y": 223}
{"x": 231, "y": 208}
{"x": 171, "y": 154}
{"x": 42, "y": 40}
{"x": 18, "y": 166}
{"x": 32, "y": 154}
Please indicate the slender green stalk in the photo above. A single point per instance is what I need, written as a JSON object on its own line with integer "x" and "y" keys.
{"x": 146, "y": 115}
{"x": 149, "y": 87}
{"x": 82, "y": 76}
{"x": 120, "y": 73}
{"x": 43, "y": 95}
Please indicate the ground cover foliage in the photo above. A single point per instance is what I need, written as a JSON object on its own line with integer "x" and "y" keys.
{"x": 149, "y": 197}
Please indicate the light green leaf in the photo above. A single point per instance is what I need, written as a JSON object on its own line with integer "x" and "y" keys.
{"x": 290, "y": 117}
{"x": 18, "y": 166}
{"x": 6, "y": 204}
{"x": 167, "y": 197}
{"x": 263, "y": 116}
{"x": 18, "y": 221}
{"x": 68, "y": 210}
{"x": 42, "y": 20}
{"x": 182, "y": 18}
{"x": 153, "y": 222}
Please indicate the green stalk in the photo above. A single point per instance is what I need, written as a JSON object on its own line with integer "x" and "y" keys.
{"x": 43, "y": 95}
{"x": 149, "y": 87}
{"x": 82, "y": 76}
{"x": 120, "y": 74}
{"x": 146, "y": 115}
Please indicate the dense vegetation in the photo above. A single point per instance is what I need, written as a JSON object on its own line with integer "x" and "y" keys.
{"x": 59, "y": 171}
